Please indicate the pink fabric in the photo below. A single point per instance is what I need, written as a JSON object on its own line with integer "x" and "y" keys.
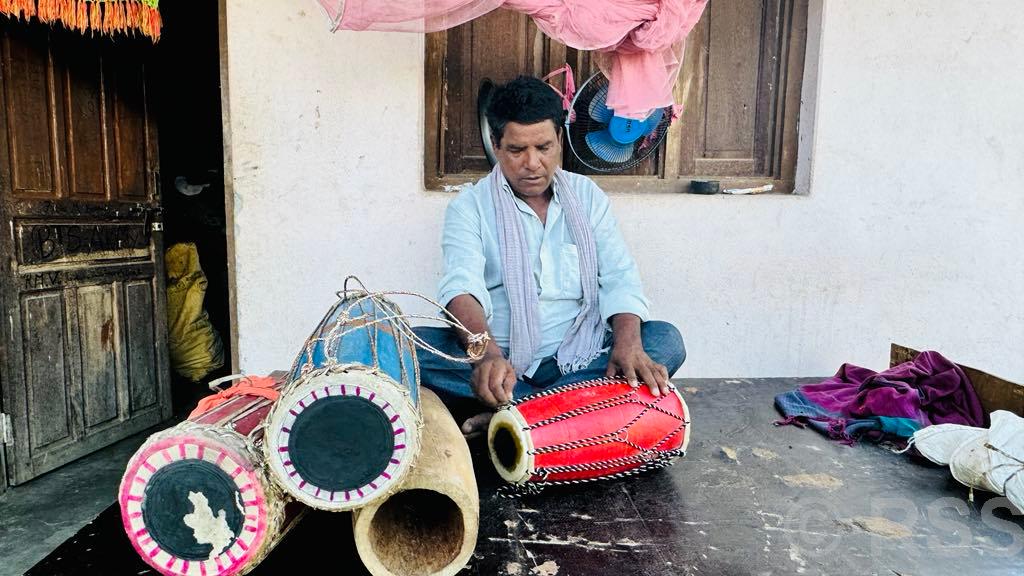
{"x": 405, "y": 15}
{"x": 640, "y": 42}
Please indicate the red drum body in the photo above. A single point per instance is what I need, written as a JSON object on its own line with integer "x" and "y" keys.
{"x": 195, "y": 499}
{"x": 588, "y": 431}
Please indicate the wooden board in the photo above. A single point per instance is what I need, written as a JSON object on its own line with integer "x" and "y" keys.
{"x": 995, "y": 393}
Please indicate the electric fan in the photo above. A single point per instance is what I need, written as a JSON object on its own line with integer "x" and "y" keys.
{"x": 605, "y": 142}
{"x": 598, "y": 138}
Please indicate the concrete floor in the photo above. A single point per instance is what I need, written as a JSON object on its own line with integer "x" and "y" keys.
{"x": 38, "y": 516}
{"x": 749, "y": 498}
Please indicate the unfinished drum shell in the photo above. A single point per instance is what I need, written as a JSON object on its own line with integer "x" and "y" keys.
{"x": 430, "y": 524}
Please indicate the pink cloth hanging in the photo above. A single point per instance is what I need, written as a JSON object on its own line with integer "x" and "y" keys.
{"x": 405, "y": 15}
{"x": 640, "y": 42}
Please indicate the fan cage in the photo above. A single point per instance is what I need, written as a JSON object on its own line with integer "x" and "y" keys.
{"x": 580, "y": 123}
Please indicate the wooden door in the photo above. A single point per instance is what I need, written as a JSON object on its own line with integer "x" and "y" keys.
{"x": 84, "y": 348}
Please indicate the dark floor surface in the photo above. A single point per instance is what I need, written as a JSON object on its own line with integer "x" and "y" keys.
{"x": 749, "y": 498}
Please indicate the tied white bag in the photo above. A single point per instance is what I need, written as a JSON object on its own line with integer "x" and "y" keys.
{"x": 971, "y": 464}
{"x": 1006, "y": 447}
{"x": 938, "y": 442}
{"x": 988, "y": 459}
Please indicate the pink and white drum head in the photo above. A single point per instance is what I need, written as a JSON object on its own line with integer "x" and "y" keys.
{"x": 193, "y": 504}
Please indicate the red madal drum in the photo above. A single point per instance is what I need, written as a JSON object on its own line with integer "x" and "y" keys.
{"x": 588, "y": 431}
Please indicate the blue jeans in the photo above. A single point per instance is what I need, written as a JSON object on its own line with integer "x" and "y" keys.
{"x": 661, "y": 341}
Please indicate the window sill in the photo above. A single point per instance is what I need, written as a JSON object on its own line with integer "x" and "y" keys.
{"x": 634, "y": 184}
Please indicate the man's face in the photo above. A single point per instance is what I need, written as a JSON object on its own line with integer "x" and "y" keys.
{"x": 528, "y": 155}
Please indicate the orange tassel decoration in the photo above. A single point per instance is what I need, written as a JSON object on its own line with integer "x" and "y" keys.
{"x": 104, "y": 16}
{"x": 45, "y": 11}
{"x": 122, "y": 16}
{"x": 66, "y": 14}
{"x": 81, "y": 16}
{"x": 132, "y": 15}
{"x": 95, "y": 16}
{"x": 23, "y": 8}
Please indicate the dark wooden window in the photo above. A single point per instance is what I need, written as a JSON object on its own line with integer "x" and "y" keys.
{"x": 740, "y": 87}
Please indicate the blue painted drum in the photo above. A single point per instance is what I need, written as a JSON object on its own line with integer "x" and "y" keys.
{"x": 369, "y": 337}
{"x": 346, "y": 428}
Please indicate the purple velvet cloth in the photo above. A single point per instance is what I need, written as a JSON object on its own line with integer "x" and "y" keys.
{"x": 929, "y": 389}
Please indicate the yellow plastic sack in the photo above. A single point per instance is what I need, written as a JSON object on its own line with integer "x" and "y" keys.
{"x": 195, "y": 346}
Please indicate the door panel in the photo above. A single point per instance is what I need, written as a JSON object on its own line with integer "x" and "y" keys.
{"x": 732, "y": 78}
{"x": 97, "y": 342}
{"x": 141, "y": 361}
{"x": 737, "y": 118}
{"x": 85, "y": 101}
{"x": 129, "y": 127}
{"x": 45, "y": 367}
{"x": 80, "y": 242}
{"x": 29, "y": 106}
{"x": 82, "y": 274}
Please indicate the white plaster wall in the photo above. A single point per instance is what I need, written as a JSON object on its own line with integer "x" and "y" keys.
{"x": 910, "y": 227}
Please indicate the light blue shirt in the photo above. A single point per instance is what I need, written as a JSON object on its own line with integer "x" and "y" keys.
{"x": 472, "y": 262}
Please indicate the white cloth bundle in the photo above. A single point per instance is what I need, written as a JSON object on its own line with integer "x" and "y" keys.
{"x": 971, "y": 464}
{"x": 938, "y": 442}
{"x": 988, "y": 459}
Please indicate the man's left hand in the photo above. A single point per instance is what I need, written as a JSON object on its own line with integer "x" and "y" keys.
{"x": 629, "y": 360}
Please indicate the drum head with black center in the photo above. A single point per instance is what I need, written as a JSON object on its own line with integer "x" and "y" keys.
{"x": 341, "y": 443}
{"x": 167, "y": 503}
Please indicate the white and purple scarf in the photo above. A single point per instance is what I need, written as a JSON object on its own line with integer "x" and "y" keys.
{"x": 585, "y": 339}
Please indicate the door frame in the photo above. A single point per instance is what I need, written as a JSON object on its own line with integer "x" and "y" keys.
{"x": 4, "y": 363}
{"x": 229, "y": 179}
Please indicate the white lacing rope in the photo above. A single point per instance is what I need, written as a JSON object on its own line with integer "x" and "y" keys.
{"x": 393, "y": 317}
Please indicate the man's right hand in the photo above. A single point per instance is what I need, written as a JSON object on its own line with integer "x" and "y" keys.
{"x": 493, "y": 376}
{"x": 493, "y": 379}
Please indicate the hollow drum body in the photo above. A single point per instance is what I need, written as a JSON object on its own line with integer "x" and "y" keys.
{"x": 346, "y": 428}
{"x": 588, "y": 431}
{"x": 429, "y": 525}
{"x": 195, "y": 499}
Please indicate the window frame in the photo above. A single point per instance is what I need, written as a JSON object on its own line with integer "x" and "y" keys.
{"x": 782, "y": 148}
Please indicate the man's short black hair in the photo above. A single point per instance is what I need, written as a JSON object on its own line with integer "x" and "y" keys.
{"x": 525, "y": 100}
